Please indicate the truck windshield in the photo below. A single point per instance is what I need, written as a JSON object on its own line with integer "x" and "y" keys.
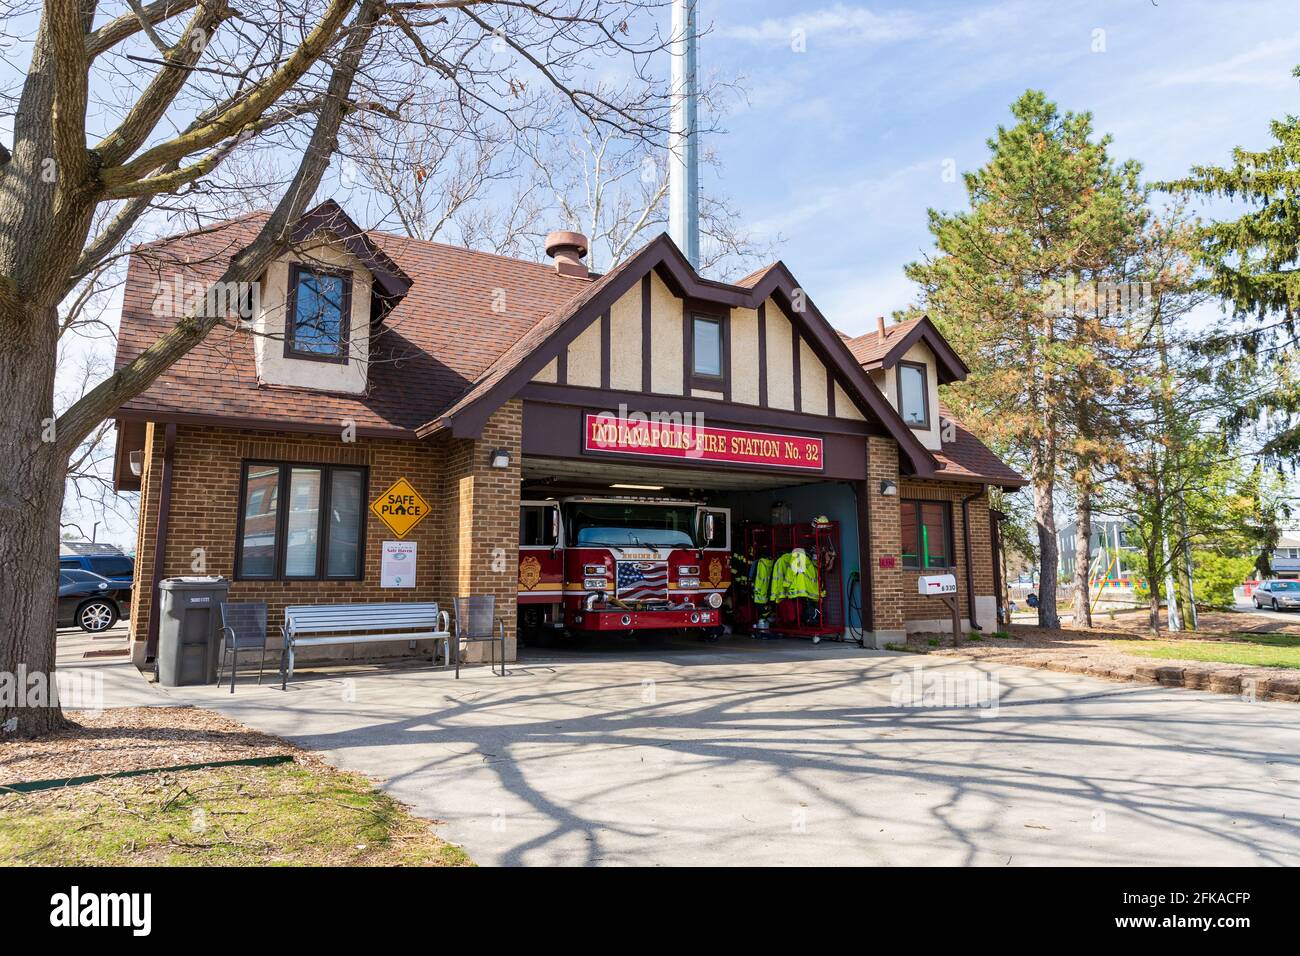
{"x": 631, "y": 525}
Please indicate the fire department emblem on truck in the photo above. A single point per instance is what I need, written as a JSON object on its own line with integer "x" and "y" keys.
{"x": 715, "y": 572}
{"x": 530, "y": 573}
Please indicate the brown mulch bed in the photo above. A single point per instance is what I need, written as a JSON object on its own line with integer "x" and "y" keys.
{"x": 138, "y": 738}
{"x": 1101, "y": 653}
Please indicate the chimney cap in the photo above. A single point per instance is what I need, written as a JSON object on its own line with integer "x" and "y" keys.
{"x": 568, "y": 249}
{"x": 562, "y": 240}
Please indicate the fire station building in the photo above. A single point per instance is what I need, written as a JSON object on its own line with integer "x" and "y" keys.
{"x": 480, "y": 393}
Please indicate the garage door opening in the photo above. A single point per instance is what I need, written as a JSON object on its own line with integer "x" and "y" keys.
{"x": 611, "y": 551}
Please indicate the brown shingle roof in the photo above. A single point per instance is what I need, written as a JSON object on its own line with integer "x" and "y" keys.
{"x": 967, "y": 458}
{"x": 469, "y": 319}
{"x": 869, "y": 348}
{"x": 431, "y": 348}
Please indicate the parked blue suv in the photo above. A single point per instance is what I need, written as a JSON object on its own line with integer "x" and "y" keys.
{"x": 117, "y": 567}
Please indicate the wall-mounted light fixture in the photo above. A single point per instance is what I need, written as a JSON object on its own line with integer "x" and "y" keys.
{"x": 500, "y": 458}
{"x": 889, "y": 488}
{"x": 136, "y": 459}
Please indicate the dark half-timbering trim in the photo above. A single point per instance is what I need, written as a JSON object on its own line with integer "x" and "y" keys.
{"x": 519, "y": 365}
{"x": 712, "y": 409}
{"x": 950, "y": 366}
{"x": 762, "y": 354}
{"x": 562, "y": 366}
{"x": 647, "y": 311}
{"x": 606, "y": 336}
{"x": 795, "y": 371}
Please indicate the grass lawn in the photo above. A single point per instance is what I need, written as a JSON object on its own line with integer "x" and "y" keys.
{"x": 1255, "y": 650}
{"x": 231, "y": 816}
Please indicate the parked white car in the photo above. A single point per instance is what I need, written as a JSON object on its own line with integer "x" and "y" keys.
{"x": 1277, "y": 595}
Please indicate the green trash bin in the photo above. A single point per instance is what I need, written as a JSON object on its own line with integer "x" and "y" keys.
{"x": 189, "y": 629}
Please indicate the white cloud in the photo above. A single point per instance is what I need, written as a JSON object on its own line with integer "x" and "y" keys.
{"x": 838, "y": 24}
{"x": 1266, "y": 64}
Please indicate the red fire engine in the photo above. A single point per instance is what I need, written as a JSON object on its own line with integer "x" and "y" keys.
{"x": 621, "y": 565}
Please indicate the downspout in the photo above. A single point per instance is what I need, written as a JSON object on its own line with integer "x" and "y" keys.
{"x": 965, "y": 531}
{"x": 160, "y": 537}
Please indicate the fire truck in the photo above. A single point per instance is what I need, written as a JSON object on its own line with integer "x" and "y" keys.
{"x": 605, "y": 565}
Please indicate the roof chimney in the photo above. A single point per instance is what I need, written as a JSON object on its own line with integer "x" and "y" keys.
{"x": 568, "y": 249}
{"x": 880, "y": 327}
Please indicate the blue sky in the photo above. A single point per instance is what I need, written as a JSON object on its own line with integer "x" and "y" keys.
{"x": 840, "y": 149}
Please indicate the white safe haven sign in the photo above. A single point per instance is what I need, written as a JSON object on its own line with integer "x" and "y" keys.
{"x": 397, "y": 566}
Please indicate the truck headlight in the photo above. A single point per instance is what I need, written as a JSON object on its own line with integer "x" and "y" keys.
{"x": 595, "y": 584}
{"x": 688, "y": 582}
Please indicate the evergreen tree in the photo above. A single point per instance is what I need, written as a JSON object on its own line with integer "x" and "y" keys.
{"x": 1049, "y": 213}
{"x": 1251, "y": 262}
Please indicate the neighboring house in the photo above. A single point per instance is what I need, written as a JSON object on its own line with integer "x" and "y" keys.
{"x": 1285, "y": 559}
{"x": 373, "y": 358}
{"x": 1107, "y": 535}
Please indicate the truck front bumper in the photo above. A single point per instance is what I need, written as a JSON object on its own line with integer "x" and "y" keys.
{"x": 618, "y": 619}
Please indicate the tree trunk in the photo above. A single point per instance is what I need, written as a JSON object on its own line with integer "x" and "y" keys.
{"x": 1047, "y": 552}
{"x": 31, "y": 501}
{"x": 1188, "y": 570}
{"x": 1153, "y": 573}
{"x": 1082, "y": 559}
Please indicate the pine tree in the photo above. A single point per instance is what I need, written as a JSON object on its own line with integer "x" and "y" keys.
{"x": 1252, "y": 262}
{"x": 1049, "y": 213}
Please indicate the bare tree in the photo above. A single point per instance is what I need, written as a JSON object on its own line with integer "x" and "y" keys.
{"x": 614, "y": 189}
{"x": 134, "y": 113}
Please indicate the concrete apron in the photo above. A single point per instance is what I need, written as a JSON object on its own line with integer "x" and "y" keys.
{"x": 792, "y": 754}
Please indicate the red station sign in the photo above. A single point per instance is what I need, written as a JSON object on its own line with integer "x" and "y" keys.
{"x": 609, "y": 434}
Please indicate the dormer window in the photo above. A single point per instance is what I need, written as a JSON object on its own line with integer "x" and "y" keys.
{"x": 319, "y": 314}
{"x": 706, "y": 351}
{"x": 913, "y": 394}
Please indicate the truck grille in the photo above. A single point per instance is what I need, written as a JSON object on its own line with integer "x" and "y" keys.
{"x": 642, "y": 580}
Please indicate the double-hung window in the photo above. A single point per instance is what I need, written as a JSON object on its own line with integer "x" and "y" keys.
{"x": 927, "y": 534}
{"x": 300, "y": 522}
{"x": 318, "y": 314}
{"x": 913, "y": 394}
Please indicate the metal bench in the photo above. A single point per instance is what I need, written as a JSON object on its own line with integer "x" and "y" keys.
{"x": 323, "y": 625}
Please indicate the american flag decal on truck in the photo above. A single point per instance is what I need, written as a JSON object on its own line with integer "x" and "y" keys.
{"x": 643, "y": 580}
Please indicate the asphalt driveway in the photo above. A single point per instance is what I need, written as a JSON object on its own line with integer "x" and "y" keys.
{"x": 794, "y": 754}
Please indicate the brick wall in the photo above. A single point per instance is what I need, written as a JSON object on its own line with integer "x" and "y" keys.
{"x": 474, "y": 512}
{"x": 915, "y": 606}
{"x": 897, "y": 605}
{"x": 886, "y": 583}
{"x": 482, "y": 519}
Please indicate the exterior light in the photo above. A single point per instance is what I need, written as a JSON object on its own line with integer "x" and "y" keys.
{"x": 137, "y": 462}
{"x": 639, "y": 487}
{"x": 501, "y": 458}
{"x": 889, "y": 488}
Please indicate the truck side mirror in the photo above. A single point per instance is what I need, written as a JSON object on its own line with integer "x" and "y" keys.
{"x": 708, "y": 528}
{"x": 555, "y": 530}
